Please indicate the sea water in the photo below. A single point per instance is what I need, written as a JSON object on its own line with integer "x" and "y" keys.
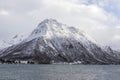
{"x": 59, "y": 72}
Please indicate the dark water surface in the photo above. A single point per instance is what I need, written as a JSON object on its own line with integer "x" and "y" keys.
{"x": 59, "y": 72}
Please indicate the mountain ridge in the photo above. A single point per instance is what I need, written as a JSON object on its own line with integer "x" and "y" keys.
{"x": 52, "y": 41}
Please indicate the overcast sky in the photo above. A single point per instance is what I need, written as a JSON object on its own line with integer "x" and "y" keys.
{"x": 99, "y": 18}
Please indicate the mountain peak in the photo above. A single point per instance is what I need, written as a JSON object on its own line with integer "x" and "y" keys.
{"x": 44, "y": 27}
{"x": 50, "y": 20}
{"x": 51, "y": 28}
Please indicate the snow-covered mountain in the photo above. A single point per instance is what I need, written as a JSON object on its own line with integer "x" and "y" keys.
{"x": 52, "y": 41}
{"x": 12, "y": 41}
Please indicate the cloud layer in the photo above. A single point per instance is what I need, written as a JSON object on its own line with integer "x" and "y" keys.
{"x": 98, "y": 18}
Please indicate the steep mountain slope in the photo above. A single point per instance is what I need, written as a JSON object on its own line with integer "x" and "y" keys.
{"x": 52, "y": 41}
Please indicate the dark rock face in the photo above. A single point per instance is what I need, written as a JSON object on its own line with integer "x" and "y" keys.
{"x": 54, "y": 42}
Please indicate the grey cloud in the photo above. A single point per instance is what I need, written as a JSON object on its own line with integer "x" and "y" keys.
{"x": 20, "y": 6}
